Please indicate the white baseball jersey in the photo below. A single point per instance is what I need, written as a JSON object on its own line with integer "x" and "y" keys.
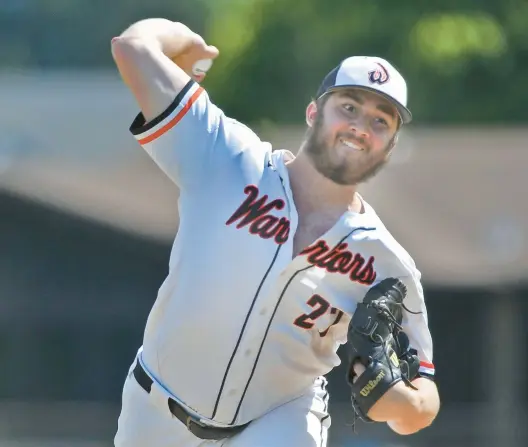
{"x": 241, "y": 325}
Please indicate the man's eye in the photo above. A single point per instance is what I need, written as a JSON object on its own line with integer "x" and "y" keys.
{"x": 382, "y": 121}
{"x": 349, "y": 107}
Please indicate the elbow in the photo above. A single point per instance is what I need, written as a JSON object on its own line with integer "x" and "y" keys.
{"x": 121, "y": 50}
{"x": 132, "y": 50}
{"x": 131, "y": 55}
{"x": 417, "y": 418}
{"x": 124, "y": 48}
{"x": 423, "y": 410}
{"x": 412, "y": 424}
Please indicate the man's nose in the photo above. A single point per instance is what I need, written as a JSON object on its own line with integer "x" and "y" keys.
{"x": 359, "y": 127}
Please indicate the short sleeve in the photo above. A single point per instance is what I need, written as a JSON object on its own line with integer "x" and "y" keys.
{"x": 192, "y": 137}
{"x": 416, "y": 324}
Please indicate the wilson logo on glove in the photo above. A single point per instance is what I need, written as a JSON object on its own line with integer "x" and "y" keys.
{"x": 365, "y": 391}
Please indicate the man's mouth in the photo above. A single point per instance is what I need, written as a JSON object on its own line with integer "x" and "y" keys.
{"x": 350, "y": 144}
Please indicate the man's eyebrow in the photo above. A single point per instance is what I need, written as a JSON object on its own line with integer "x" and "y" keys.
{"x": 353, "y": 96}
{"x": 385, "y": 108}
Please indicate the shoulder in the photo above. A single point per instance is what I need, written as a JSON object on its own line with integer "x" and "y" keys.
{"x": 391, "y": 260}
{"x": 390, "y": 255}
{"x": 243, "y": 136}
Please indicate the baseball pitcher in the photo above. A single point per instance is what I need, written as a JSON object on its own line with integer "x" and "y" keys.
{"x": 277, "y": 262}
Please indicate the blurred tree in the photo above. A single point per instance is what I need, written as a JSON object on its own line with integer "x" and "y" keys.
{"x": 454, "y": 55}
{"x": 76, "y": 33}
{"x": 465, "y": 60}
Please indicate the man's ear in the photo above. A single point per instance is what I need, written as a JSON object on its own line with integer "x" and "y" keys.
{"x": 392, "y": 144}
{"x": 311, "y": 113}
{"x": 394, "y": 141}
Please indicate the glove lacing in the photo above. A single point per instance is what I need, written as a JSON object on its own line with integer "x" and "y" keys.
{"x": 382, "y": 307}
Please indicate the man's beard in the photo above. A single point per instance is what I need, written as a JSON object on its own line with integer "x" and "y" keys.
{"x": 316, "y": 147}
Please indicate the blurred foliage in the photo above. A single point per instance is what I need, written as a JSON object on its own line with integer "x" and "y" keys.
{"x": 465, "y": 61}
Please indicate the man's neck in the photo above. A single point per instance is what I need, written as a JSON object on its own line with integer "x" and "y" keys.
{"x": 314, "y": 194}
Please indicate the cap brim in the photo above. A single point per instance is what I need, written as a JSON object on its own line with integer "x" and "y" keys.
{"x": 404, "y": 112}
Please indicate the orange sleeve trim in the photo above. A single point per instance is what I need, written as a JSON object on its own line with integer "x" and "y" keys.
{"x": 427, "y": 365}
{"x": 173, "y": 121}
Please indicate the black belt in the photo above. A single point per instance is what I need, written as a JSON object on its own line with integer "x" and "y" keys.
{"x": 193, "y": 425}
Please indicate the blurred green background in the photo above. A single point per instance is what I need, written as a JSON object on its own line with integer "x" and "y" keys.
{"x": 465, "y": 60}
{"x": 87, "y": 220}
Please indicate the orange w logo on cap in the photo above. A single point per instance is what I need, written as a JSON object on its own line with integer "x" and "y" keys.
{"x": 379, "y": 75}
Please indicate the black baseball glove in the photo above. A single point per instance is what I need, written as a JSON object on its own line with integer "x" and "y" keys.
{"x": 376, "y": 340}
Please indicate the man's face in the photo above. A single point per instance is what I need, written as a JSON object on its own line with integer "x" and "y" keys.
{"x": 351, "y": 137}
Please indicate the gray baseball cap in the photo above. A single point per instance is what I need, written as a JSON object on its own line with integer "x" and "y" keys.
{"x": 369, "y": 73}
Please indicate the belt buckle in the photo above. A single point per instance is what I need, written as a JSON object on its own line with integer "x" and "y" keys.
{"x": 188, "y": 423}
{"x": 196, "y": 422}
